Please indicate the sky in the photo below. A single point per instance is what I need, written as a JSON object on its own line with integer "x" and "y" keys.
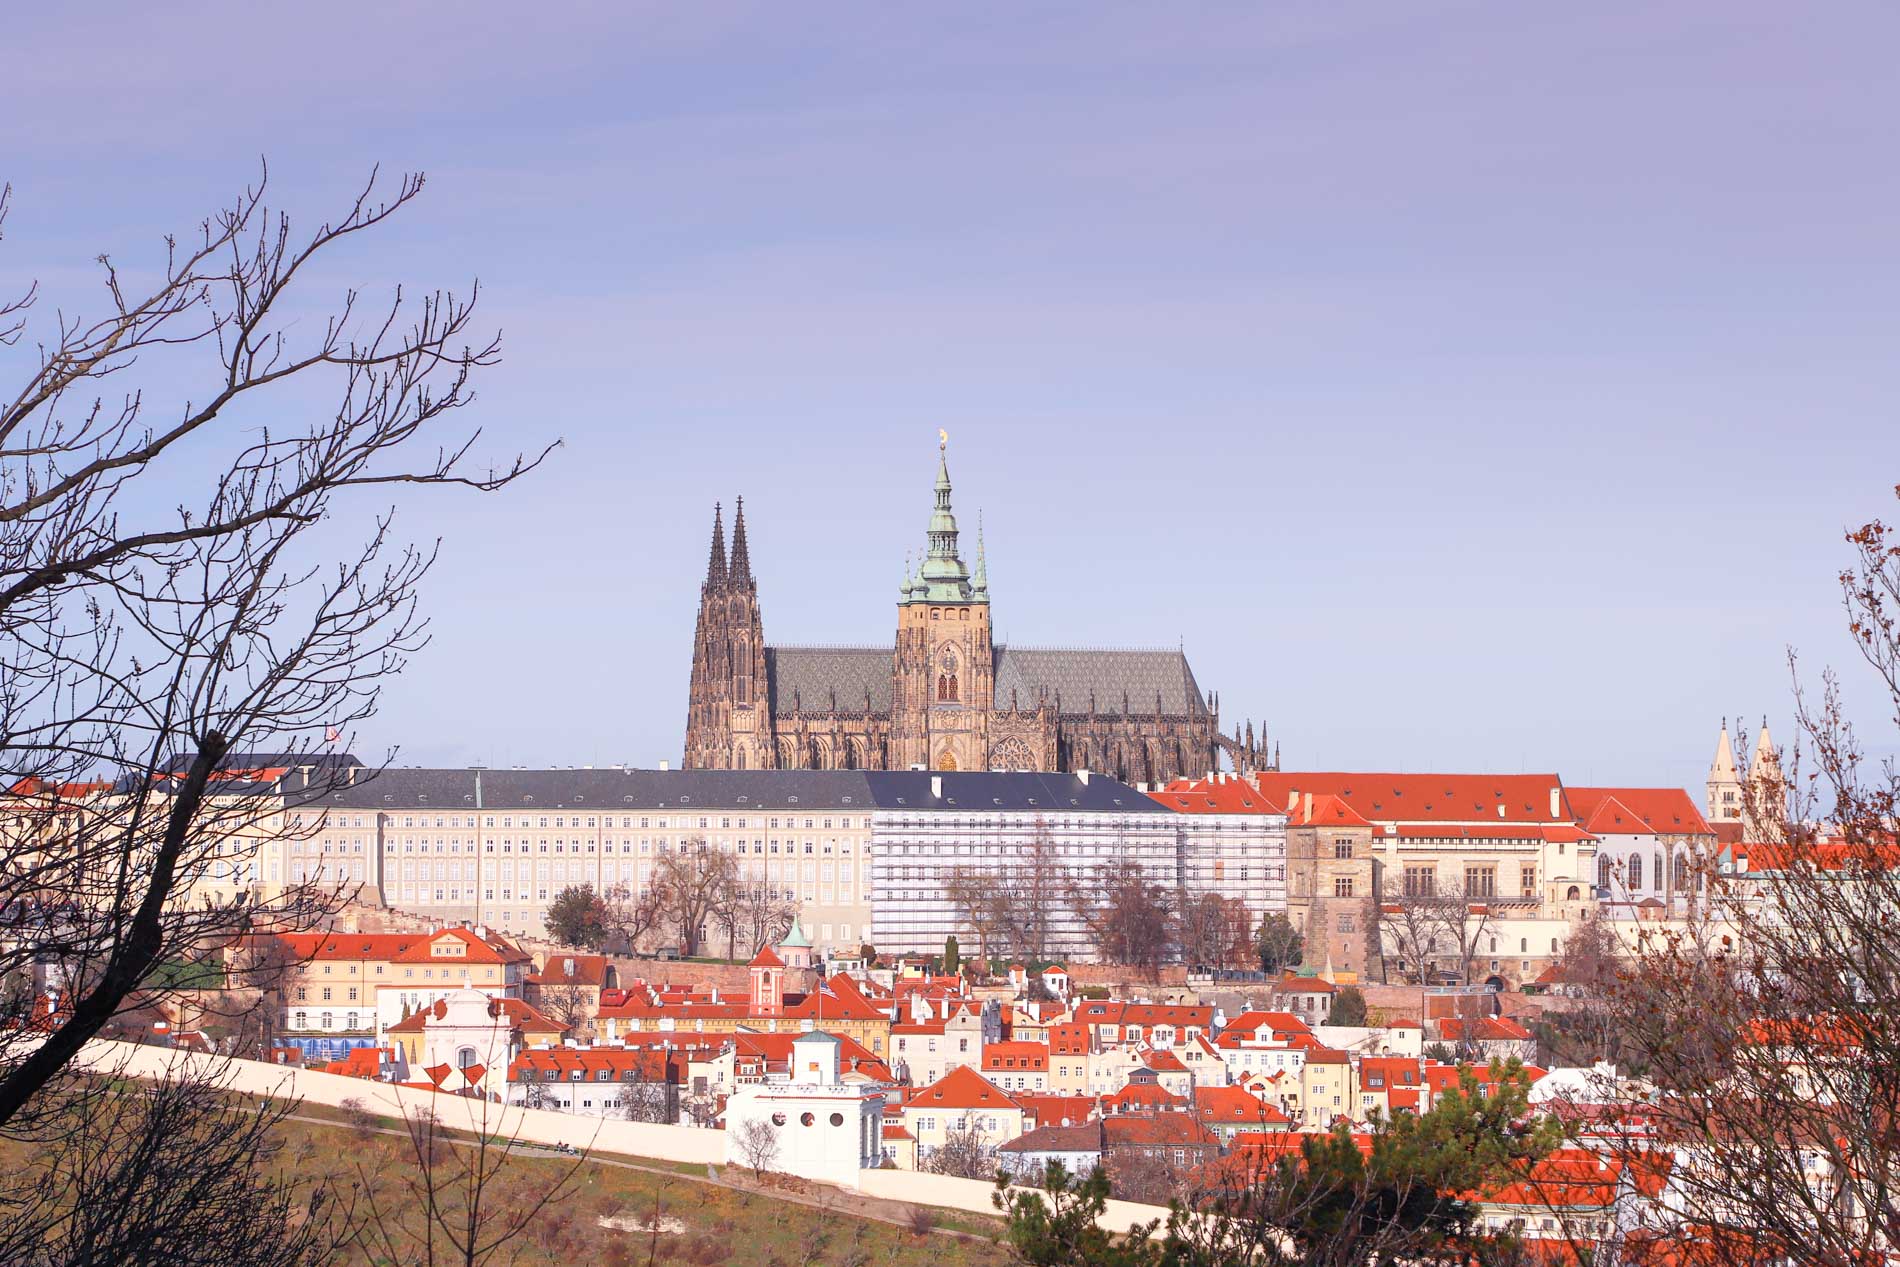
{"x": 1466, "y": 386}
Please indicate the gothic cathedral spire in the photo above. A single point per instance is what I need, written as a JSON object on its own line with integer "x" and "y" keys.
{"x": 716, "y": 559}
{"x": 728, "y": 723}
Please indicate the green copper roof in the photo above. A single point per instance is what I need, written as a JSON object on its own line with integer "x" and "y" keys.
{"x": 943, "y": 578}
{"x": 795, "y": 937}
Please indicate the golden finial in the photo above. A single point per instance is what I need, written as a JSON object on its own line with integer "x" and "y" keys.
{"x": 943, "y": 438}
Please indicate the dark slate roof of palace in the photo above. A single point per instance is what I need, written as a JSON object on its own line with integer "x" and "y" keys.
{"x": 1076, "y": 673}
{"x": 607, "y": 789}
{"x": 808, "y": 676}
{"x": 614, "y": 789}
{"x": 812, "y": 677}
{"x": 979, "y": 790}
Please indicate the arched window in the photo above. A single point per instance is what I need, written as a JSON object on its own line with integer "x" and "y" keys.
{"x": 741, "y": 759}
{"x": 953, "y": 687}
{"x": 1636, "y": 871}
{"x": 329, "y": 1022}
{"x": 943, "y": 687}
{"x": 1603, "y": 873}
{"x": 1572, "y": 894}
{"x": 464, "y": 1057}
{"x": 1682, "y": 871}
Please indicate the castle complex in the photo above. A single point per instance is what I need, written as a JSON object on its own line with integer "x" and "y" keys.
{"x": 945, "y": 696}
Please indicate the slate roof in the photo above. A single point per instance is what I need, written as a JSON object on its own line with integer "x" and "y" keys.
{"x": 813, "y": 677}
{"x": 983, "y": 790}
{"x": 612, "y": 789}
{"x": 809, "y": 676}
{"x": 607, "y": 789}
{"x": 1076, "y": 673}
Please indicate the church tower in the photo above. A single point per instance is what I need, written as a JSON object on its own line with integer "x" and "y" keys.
{"x": 943, "y": 674}
{"x": 1725, "y": 782}
{"x": 728, "y": 723}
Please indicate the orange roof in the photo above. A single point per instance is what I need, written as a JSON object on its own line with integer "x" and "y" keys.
{"x": 571, "y": 970}
{"x": 362, "y": 1062}
{"x": 1222, "y": 796}
{"x": 1142, "y": 1095}
{"x": 1163, "y": 1062}
{"x": 961, "y": 1088}
{"x": 845, "y": 1002}
{"x": 1420, "y": 798}
{"x": 1637, "y": 810}
{"x": 1015, "y": 1055}
{"x": 766, "y": 958}
{"x": 1057, "y": 1110}
{"x": 1226, "y": 1105}
{"x": 493, "y": 949}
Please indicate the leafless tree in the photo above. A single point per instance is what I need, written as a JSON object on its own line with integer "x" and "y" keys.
{"x": 631, "y": 916}
{"x": 1765, "y": 1023}
{"x": 172, "y": 1170}
{"x": 755, "y": 914}
{"x": 1129, "y": 915}
{"x": 1213, "y": 931}
{"x": 758, "y": 1144}
{"x": 450, "y": 1200}
{"x": 966, "y": 1152}
{"x": 570, "y": 1004}
{"x": 689, "y": 886}
{"x": 971, "y": 894}
{"x": 149, "y": 656}
{"x": 651, "y": 1099}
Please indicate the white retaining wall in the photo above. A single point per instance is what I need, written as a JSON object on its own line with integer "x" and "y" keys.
{"x": 543, "y": 1126}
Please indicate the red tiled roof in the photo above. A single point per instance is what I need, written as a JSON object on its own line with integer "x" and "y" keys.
{"x": 490, "y": 950}
{"x": 766, "y": 958}
{"x": 1417, "y": 798}
{"x": 1056, "y": 1110}
{"x": 587, "y": 970}
{"x": 1155, "y": 1128}
{"x": 1482, "y": 1029}
{"x": 1637, "y": 810}
{"x": 1137, "y": 1096}
{"x": 1228, "y": 1105}
{"x": 961, "y": 1088}
{"x": 1014, "y": 1056}
{"x": 1222, "y": 796}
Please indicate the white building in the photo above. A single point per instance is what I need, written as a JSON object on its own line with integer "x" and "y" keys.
{"x": 821, "y": 1126}
{"x": 1057, "y": 828}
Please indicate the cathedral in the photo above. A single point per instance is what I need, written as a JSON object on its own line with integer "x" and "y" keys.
{"x": 944, "y": 695}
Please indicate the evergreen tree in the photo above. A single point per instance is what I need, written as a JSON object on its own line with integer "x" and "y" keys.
{"x": 1279, "y": 943}
{"x": 1349, "y": 1007}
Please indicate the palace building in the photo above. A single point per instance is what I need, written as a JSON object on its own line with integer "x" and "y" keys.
{"x": 944, "y": 695}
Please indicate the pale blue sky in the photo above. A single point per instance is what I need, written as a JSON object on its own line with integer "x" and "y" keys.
{"x": 1471, "y": 386}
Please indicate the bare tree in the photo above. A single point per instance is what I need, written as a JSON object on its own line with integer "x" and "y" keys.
{"x": 650, "y": 1099}
{"x": 162, "y": 1172}
{"x": 174, "y": 678}
{"x": 690, "y": 886}
{"x": 758, "y": 1144}
{"x": 965, "y": 1152}
{"x": 452, "y": 1202}
{"x": 1129, "y": 915}
{"x": 971, "y": 894}
{"x": 631, "y": 916}
{"x": 1212, "y": 930}
{"x": 1764, "y": 1023}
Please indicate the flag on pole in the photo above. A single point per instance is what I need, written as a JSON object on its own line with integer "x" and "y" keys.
{"x": 331, "y": 734}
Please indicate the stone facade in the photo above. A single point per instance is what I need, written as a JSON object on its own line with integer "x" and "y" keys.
{"x": 944, "y": 695}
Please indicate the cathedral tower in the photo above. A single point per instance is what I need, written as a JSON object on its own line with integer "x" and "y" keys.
{"x": 943, "y": 673}
{"x": 728, "y": 725}
{"x": 1725, "y": 782}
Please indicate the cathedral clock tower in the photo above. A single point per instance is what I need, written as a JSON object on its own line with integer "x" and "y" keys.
{"x": 943, "y": 676}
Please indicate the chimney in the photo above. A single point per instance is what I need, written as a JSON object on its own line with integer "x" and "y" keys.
{"x": 1306, "y": 812}
{"x": 662, "y": 765}
{"x": 936, "y": 786}
{"x": 567, "y": 967}
{"x": 1500, "y": 811}
{"x": 1084, "y": 776}
{"x": 1556, "y": 801}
